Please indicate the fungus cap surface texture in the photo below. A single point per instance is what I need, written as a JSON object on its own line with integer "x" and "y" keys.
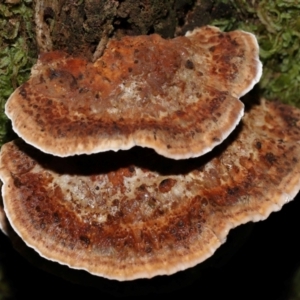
{"x": 178, "y": 96}
{"x": 135, "y": 214}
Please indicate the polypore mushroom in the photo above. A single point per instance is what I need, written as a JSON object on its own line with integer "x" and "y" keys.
{"x": 179, "y": 96}
{"x": 135, "y": 214}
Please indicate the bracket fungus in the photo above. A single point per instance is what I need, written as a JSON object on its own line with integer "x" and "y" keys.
{"x": 120, "y": 216}
{"x": 178, "y": 96}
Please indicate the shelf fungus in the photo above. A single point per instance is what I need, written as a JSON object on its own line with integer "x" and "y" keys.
{"x": 179, "y": 97}
{"x": 135, "y": 214}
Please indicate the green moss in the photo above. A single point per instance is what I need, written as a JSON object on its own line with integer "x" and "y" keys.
{"x": 277, "y": 27}
{"x": 16, "y": 52}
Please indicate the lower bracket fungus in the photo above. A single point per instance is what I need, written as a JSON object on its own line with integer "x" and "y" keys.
{"x": 178, "y": 96}
{"x": 135, "y": 214}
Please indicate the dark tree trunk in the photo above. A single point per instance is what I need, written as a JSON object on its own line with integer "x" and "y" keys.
{"x": 84, "y": 27}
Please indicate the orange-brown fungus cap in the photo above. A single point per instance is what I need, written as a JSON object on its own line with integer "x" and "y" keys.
{"x": 135, "y": 214}
{"x": 179, "y": 96}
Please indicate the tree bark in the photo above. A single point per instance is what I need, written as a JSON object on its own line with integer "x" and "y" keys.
{"x": 84, "y": 27}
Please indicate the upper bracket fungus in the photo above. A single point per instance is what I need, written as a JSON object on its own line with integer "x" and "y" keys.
{"x": 178, "y": 96}
{"x": 123, "y": 217}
